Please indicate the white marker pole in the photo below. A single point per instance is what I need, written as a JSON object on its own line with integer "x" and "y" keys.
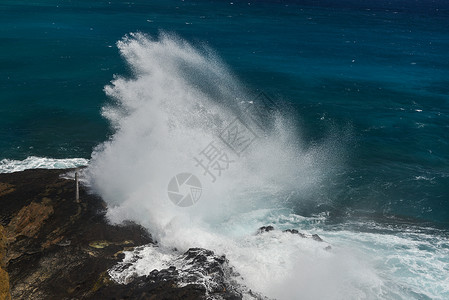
{"x": 77, "y": 192}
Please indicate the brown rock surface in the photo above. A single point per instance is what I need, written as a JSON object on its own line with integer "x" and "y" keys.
{"x": 29, "y": 220}
{"x": 4, "y": 285}
{"x": 3, "y": 247}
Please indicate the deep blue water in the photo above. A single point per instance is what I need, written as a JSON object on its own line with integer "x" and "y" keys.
{"x": 378, "y": 70}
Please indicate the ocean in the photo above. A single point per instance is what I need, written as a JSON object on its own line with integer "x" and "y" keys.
{"x": 344, "y": 106}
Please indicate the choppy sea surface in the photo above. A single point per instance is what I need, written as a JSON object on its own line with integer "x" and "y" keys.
{"x": 352, "y": 146}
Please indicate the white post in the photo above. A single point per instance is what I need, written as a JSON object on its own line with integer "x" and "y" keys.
{"x": 77, "y": 192}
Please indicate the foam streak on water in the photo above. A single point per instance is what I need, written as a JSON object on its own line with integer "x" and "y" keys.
{"x": 33, "y": 162}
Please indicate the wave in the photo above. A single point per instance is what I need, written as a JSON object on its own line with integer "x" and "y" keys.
{"x": 34, "y": 162}
{"x": 196, "y": 160}
{"x": 178, "y": 110}
{"x": 379, "y": 262}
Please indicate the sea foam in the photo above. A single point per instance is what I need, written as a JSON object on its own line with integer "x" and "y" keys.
{"x": 34, "y": 162}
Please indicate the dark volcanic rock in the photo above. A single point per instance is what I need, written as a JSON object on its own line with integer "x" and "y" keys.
{"x": 197, "y": 264}
{"x": 196, "y": 274}
{"x": 294, "y": 231}
{"x": 265, "y": 229}
{"x": 317, "y": 238}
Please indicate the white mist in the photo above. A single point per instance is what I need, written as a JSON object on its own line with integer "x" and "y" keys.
{"x": 178, "y": 101}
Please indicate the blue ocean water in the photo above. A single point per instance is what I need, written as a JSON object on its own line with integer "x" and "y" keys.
{"x": 380, "y": 68}
{"x": 374, "y": 75}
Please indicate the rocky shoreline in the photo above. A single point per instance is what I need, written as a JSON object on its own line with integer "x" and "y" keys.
{"x": 52, "y": 247}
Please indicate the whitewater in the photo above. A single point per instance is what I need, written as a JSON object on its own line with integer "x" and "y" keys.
{"x": 178, "y": 102}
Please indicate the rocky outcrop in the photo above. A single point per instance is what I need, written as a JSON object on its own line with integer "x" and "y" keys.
{"x": 315, "y": 237}
{"x": 198, "y": 273}
{"x": 294, "y": 231}
{"x": 265, "y": 229}
{"x": 57, "y": 248}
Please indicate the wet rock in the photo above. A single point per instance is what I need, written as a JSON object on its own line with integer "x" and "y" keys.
{"x": 294, "y": 231}
{"x": 265, "y": 229}
{"x": 317, "y": 238}
{"x": 172, "y": 268}
{"x": 200, "y": 263}
{"x": 199, "y": 271}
